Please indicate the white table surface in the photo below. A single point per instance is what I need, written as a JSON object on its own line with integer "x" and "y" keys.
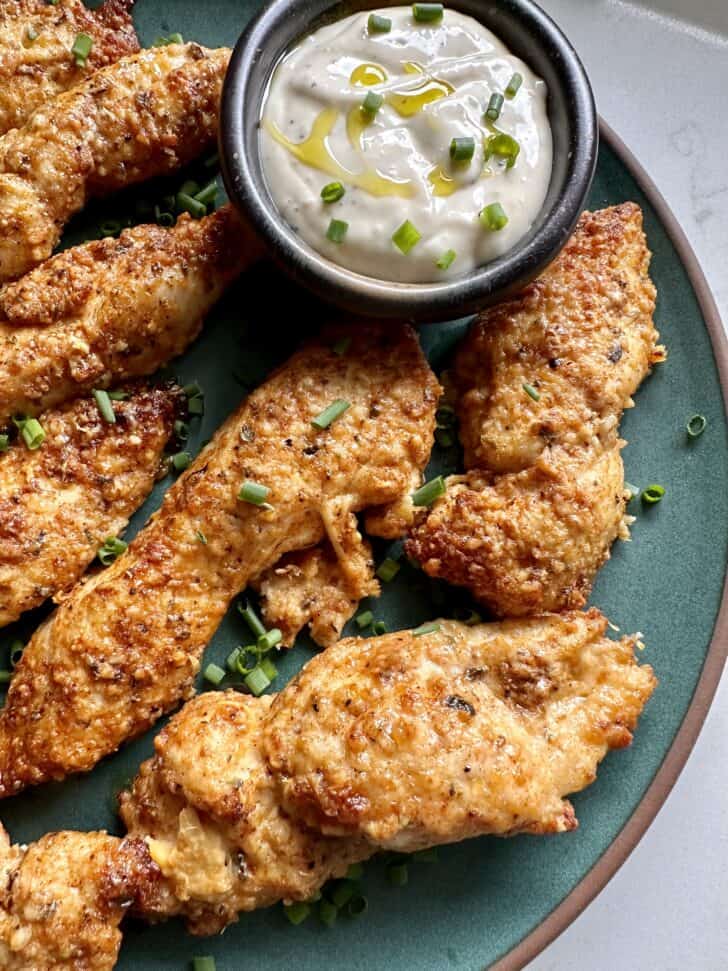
{"x": 660, "y": 75}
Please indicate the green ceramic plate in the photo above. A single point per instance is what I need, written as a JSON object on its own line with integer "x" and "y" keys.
{"x": 489, "y": 900}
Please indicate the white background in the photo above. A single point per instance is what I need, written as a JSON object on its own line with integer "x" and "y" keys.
{"x": 660, "y": 74}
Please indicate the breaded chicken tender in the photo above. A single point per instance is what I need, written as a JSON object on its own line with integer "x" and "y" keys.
{"x": 36, "y": 38}
{"x": 114, "y": 308}
{"x": 125, "y": 646}
{"x": 60, "y": 502}
{"x": 541, "y": 382}
{"x": 143, "y": 116}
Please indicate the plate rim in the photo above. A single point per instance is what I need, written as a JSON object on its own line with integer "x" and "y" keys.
{"x": 596, "y": 879}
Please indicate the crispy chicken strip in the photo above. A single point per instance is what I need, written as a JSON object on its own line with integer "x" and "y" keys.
{"x": 62, "y": 899}
{"x": 396, "y": 742}
{"x": 529, "y": 525}
{"x": 59, "y": 503}
{"x": 144, "y": 116}
{"x": 114, "y": 308}
{"x": 126, "y": 645}
{"x": 36, "y": 38}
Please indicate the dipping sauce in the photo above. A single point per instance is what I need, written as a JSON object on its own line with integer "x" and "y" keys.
{"x": 429, "y": 141}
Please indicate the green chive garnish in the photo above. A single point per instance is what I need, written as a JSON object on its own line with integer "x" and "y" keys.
{"x": 426, "y": 13}
{"x": 327, "y": 913}
{"x": 203, "y": 964}
{"x": 251, "y": 619}
{"x": 341, "y": 346}
{"x": 111, "y": 227}
{"x": 112, "y": 547}
{"x": 267, "y": 641}
{"x": 32, "y": 432}
{"x": 297, "y": 912}
{"x": 372, "y": 103}
{"x": 397, "y": 874}
{"x": 268, "y": 668}
{"x": 427, "y": 493}
{"x": 196, "y": 405}
{"x": 214, "y": 674}
{"x": 406, "y": 237}
{"x": 192, "y": 390}
{"x": 653, "y": 494}
{"x": 187, "y": 203}
{"x": 378, "y": 24}
{"x": 180, "y": 461}
{"x": 163, "y": 218}
{"x": 357, "y": 906}
{"x": 495, "y": 106}
{"x": 503, "y": 146}
{"x": 364, "y": 619}
{"x": 355, "y": 871}
{"x": 333, "y": 192}
{"x": 337, "y": 230}
{"x": 388, "y": 570}
{"x": 181, "y": 430}
{"x": 335, "y": 410}
{"x": 444, "y": 438}
{"x": 431, "y": 628}
{"x": 171, "y": 39}
{"x": 5, "y": 677}
{"x": 493, "y": 217}
{"x": 207, "y": 194}
{"x": 462, "y": 149}
{"x": 513, "y": 85}
{"x": 379, "y": 627}
{"x": 118, "y": 395}
{"x": 531, "y": 391}
{"x": 201, "y": 537}
{"x": 446, "y": 260}
{"x": 16, "y": 652}
{"x": 632, "y": 491}
{"x": 696, "y": 426}
{"x": 257, "y": 681}
{"x": 81, "y": 49}
{"x": 231, "y": 662}
{"x": 254, "y": 493}
{"x": 4, "y": 443}
{"x": 103, "y": 402}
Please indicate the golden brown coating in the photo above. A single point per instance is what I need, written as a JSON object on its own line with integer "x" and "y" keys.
{"x": 126, "y": 645}
{"x": 60, "y": 502}
{"x": 62, "y": 899}
{"x": 36, "y": 38}
{"x": 409, "y": 741}
{"x": 143, "y": 116}
{"x": 114, "y": 308}
{"x": 529, "y": 525}
{"x": 207, "y": 807}
{"x": 311, "y": 587}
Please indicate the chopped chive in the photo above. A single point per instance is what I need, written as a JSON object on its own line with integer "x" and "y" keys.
{"x": 513, "y": 85}
{"x": 190, "y": 187}
{"x": 357, "y": 906}
{"x": 5, "y": 677}
{"x": 468, "y": 616}
{"x": 431, "y": 628}
{"x": 397, "y": 874}
{"x": 335, "y": 410}
{"x": 653, "y": 494}
{"x": 342, "y": 892}
{"x": 257, "y": 681}
{"x": 327, "y": 913}
{"x": 406, "y": 237}
{"x": 181, "y": 430}
{"x": 332, "y": 192}
{"x": 503, "y": 146}
{"x": 427, "y": 13}
{"x": 104, "y": 405}
{"x": 207, "y": 194}
{"x": 696, "y": 426}
{"x": 111, "y": 227}
{"x": 267, "y": 641}
{"x": 111, "y": 548}
{"x": 192, "y": 390}
{"x": 445, "y": 416}
{"x": 163, "y": 218}
{"x": 632, "y": 491}
{"x": 214, "y": 674}
{"x": 355, "y": 871}
{"x": 254, "y": 493}
{"x": 170, "y": 39}
{"x": 268, "y": 668}
{"x": 379, "y": 627}
{"x": 364, "y": 619}
{"x": 251, "y": 619}
{"x": 462, "y": 149}
{"x": 341, "y": 346}
{"x": 493, "y": 217}
{"x": 81, "y": 49}
{"x": 297, "y": 912}
{"x": 241, "y": 665}
{"x": 180, "y": 461}
{"x": 201, "y": 537}
{"x": 16, "y": 652}
{"x": 231, "y": 662}
{"x": 337, "y": 230}
{"x": 187, "y": 203}
{"x": 495, "y": 106}
{"x": 531, "y": 391}
{"x": 118, "y": 395}
{"x": 196, "y": 405}
{"x": 427, "y": 493}
{"x": 4, "y": 443}
{"x": 33, "y": 433}
{"x": 372, "y": 102}
{"x": 203, "y": 964}
{"x": 378, "y": 24}
{"x": 446, "y": 260}
{"x": 444, "y": 438}
{"x": 388, "y": 570}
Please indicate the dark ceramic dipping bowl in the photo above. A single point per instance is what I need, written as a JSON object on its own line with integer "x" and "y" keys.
{"x": 527, "y": 32}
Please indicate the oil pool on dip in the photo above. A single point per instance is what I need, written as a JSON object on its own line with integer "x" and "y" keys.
{"x": 406, "y": 144}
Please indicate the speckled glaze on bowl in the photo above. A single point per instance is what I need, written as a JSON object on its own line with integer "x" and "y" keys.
{"x": 531, "y": 35}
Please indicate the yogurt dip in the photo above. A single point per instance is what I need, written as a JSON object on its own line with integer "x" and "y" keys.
{"x": 406, "y": 144}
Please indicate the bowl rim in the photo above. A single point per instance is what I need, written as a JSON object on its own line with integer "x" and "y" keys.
{"x": 353, "y": 291}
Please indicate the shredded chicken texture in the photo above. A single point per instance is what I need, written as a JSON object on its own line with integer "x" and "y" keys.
{"x": 397, "y": 742}
{"x": 60, "y": 502}
{"x": 36, "y": 38}
{"x": 114, "y": 308}
{"x": 125, "y": 646}
{"x": 532, "y": 520}
{"x": 143, "y": 116}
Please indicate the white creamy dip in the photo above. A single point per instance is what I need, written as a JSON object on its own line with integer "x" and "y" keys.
{"x": 435, "y": 81}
